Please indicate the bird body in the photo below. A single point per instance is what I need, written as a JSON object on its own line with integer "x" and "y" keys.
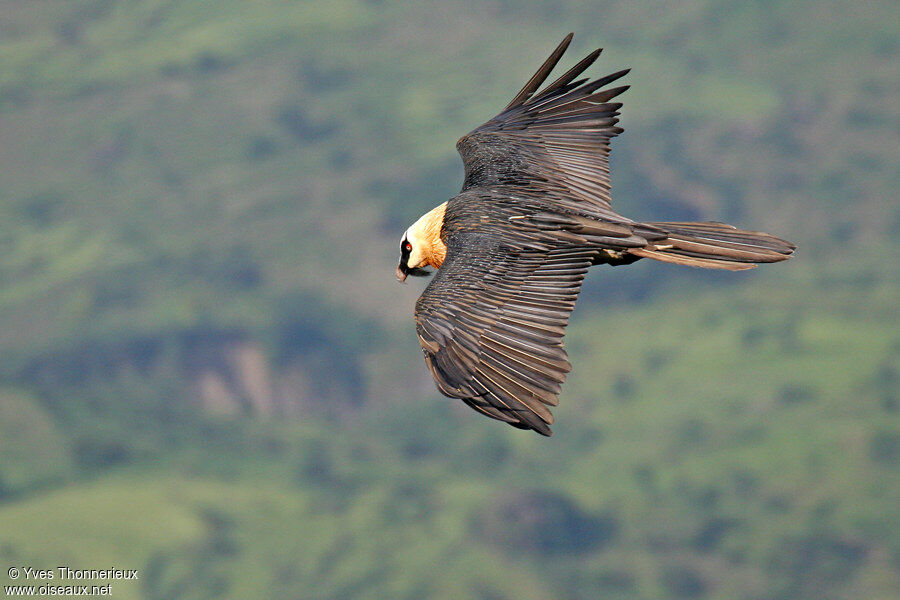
{"x": 513, "y": 247}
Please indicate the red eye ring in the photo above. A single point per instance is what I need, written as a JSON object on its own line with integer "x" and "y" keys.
{"x": 408, "y": 247}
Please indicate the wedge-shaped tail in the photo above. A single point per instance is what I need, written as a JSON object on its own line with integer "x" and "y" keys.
{"x": 715, "y": 246}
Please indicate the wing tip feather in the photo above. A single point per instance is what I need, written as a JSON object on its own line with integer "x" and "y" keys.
{"x": 534, "y": 83}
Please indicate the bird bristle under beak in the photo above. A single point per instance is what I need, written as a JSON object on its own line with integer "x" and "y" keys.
{"x": 401, "y": 274}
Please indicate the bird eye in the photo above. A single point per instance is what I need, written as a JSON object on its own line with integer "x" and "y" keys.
{"x": 407, "y": 246}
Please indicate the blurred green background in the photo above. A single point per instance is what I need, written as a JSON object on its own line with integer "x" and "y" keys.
{"x": 209, "y": 373}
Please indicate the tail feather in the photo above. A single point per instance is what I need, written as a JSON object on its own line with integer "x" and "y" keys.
{"x": 715, "y": 246}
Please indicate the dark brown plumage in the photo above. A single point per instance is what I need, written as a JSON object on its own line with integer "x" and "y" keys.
{"x": 533, "y": 215}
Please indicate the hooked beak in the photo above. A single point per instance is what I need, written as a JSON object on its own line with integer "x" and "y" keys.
{"x": 403, "y": 271}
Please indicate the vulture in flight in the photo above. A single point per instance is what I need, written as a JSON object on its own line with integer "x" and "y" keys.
{"x": 513, "y": 247}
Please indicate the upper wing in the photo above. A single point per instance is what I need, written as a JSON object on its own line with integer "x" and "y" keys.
{"x": 491, "y": 324}
{"x": 557, "y": 138}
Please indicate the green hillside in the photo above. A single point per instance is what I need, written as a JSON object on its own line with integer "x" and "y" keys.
{"x": 208, "y": 372}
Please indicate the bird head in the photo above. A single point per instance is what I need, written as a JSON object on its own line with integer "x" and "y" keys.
{"x": 421, "y": 245}
{"x": 413, "y": 255}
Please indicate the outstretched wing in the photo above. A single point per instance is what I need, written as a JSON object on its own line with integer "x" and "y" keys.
{"x": 491, "y": 324}
{"x": 556, "y": 138}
